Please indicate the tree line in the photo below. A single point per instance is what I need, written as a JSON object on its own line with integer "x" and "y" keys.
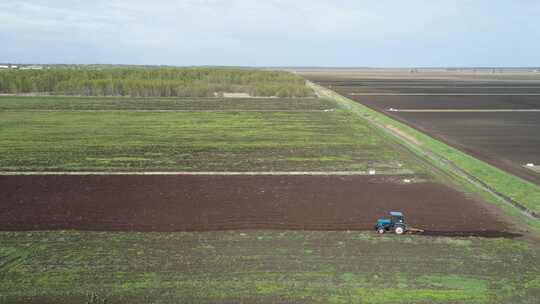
{"x": 160, "y": 82}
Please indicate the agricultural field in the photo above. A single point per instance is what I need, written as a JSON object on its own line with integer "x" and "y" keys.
{"x": 89, "y": 134}
{"x": 59, "y": 103}
{"x": 494, "y": 117}
{"x": 218, "y": 200}
{"x": 264, "y": 266}
{"x": 229, "y": 202}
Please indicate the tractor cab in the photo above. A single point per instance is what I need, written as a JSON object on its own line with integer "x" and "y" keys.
{"x": 395, "y": 223}
{"x": 397, "y": 217}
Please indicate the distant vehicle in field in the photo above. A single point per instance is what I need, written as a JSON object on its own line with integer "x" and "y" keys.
{"x": 395, "y": 223}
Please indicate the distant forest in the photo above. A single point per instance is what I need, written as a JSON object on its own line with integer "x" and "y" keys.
{"x": 160, "y": 82}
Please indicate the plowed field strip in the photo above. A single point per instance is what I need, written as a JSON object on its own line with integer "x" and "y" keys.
{"x": 207, "y": 203}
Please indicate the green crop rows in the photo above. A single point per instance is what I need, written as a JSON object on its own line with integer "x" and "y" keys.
{"x": 258, "y": 266}
{"x": 285, "y": 135}
{"x": 184, "y": 104}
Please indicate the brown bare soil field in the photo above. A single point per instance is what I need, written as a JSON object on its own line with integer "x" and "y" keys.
{"x": 507, "y": 140}
{"x": 451, "y": 102}
{"x": 510, "y": 135}
{"x": 207, "y": 203}
{"x": 422, "y": 77}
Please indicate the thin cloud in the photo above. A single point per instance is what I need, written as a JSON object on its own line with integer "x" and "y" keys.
{"x": 272, "y": 32}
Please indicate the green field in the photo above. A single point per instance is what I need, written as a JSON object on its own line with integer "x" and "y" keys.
{"x": 92, "y": 134}
{"x": 17, "y": 103}
{"x": 264, "y": 267}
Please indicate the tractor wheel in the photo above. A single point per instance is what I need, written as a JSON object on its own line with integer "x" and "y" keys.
{"x": 399, "y": 230}
{"x": 380, "y": 230}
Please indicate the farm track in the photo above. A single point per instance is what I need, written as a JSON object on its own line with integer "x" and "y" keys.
{"x": 210, "y": 203}
{"x": 462, "y": 110}
{"x": 441, "y": 94}
{"x": 213, "y": 173}
{"x": 168, "y": 111}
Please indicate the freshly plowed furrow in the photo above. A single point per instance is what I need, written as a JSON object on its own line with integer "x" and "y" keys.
{"x": 205, "y": 203}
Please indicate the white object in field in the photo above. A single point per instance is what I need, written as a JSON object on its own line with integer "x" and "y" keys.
{"x": 530, "y": 165}
{"x": 4, "y": 67}
{"x": 407, "y": 181}
{"x": 32, "y": 67}
{"x": 372, "y": 172}
{"x": 236, "y": 95}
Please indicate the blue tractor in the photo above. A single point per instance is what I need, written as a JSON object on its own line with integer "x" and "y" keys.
{"x": 396, "y": 223}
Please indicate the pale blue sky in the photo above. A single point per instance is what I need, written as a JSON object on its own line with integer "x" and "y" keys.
{"x": 272, "y": 32}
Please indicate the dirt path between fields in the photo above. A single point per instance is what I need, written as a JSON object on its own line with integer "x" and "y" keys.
{"x": 462, "y": 110}
{"x": 443, "y": 94}
{"x": 214, "y": 173}
{"x": 166, "y": 111}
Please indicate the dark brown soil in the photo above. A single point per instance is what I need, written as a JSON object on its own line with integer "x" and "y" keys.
{"x": 463, "y": 102}
{"x": 505, "y": 140}
{"x": 205, "y": 203}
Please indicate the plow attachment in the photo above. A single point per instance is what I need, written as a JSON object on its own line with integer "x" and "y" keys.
{"x": 412, "y": 230}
